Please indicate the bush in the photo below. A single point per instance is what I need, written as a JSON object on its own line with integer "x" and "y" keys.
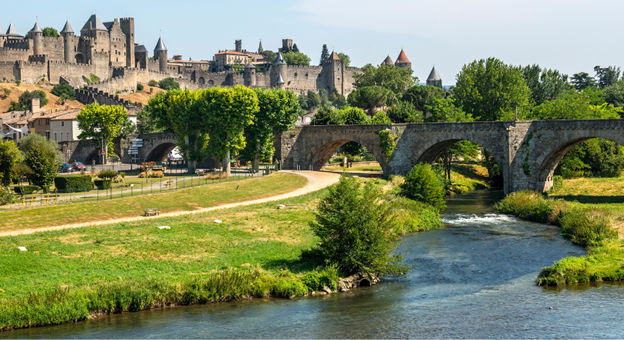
{"x": 586, "y": 227}
{"x": 152, "y": 83}
{"x": 317, "y": 279}
{"x": 5, "y": 196}
{"x": 140, "y": 87}
{"x": 532, "y": 206}
{"x": 355, "y": 225}
{"x": 107, "y": 174}
{"x": 75, "y": 183}
{"x": 168, "y": 84}
{"x": 103, "y": 184}
{"x": 64, "y": 91}
{"x": 422, "y": 184}
{"x": 25, "y": 189}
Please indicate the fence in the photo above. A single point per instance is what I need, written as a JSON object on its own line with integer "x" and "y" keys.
{"x": 135, "y": 187}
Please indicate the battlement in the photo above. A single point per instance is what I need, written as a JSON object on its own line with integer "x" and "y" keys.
{"x": 37, "y": 58}
{"x": 8, "y": 48}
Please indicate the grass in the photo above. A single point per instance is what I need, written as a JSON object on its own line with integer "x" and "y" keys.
{"x": 360, "y": 166}
{"x": 257, "y": 251}
{"x": 466, "y": 177}
{"x": 592, "y": 222}
{"x": 180, "y": 200}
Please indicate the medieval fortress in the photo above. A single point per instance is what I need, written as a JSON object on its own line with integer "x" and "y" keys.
{"x": 108, "y": 51}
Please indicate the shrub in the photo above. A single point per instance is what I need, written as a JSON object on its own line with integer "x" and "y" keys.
{"x": 532, "y": 206}
{"x": 75, "y": 183}
{"x": 317, "y": 279}
{"x": 64, "y": 91}
{"x": 355, "y": 224}
{"x": 140, "y": 87}
{"x": 152, "y": 83}
{"x": 422, "y": 184}
{"x": 168, "y": 84}
{"x": 107, "y": 174}
{"x": 5, "y": 196}
{"x": 586, "y": 227}
{"x": 25, "y": 189}
{"x": 103, "y": 184}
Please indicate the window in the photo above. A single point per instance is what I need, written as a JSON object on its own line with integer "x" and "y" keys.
{"x": 55, "y": 136}
{"x": 62, "y": 123}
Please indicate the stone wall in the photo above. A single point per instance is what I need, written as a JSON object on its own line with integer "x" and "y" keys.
{"x": 7, "y": 71}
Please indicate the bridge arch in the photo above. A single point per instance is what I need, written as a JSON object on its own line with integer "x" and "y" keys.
{"x": 160, "y": 152}
{"x": 323, "y": 153}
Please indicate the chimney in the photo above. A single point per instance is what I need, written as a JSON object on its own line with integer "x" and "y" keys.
{"x": 35, "y": 104}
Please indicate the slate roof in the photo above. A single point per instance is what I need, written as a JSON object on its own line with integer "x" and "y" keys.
{"x": 36, "y": 28}
{"x": 67, "y": 28}
{"x": 387, "y": 61}
{"x": 12, "y": 32}
{"x": 434, "y": 76}
{"x": 94, "y": 22}
{"x": 160, "y": 46}
{"x": 279, "y": 60}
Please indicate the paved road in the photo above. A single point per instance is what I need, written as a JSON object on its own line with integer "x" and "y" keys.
{"x": 316, "y": 181}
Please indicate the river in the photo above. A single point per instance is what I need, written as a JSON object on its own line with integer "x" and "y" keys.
{"x": 473, "y": 279}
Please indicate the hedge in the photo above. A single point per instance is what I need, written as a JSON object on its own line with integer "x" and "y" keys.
{"x": 25, "y": 189}
{"x": 76, "y": 183}
{"x": 103, "y": 184}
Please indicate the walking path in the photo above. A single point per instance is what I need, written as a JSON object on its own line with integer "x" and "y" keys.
{"x": 316, "y": 181}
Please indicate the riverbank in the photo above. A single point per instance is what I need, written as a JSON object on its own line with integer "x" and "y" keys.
{"x": 591, "y": 225}
{"x": 254, "y": 251}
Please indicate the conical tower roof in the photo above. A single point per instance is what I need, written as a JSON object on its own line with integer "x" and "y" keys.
{"x": 160, "y": 46}
{"x": 387, "y": 61}
{"x": 433, "y": 75}
{"x": 94, "y": 23}
{"x": 36, "y": 28}
{"x": 12, "y": 32}
{"x": 334, "y": 56}
{"x": 260, "y": 49}
{"x": 402, "y": 58}
{"x": 280, "y": 80}
{"x": 67, "y": 28}
{"x": 279, "y": 60}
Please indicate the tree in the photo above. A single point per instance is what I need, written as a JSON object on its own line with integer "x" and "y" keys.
{"x": 405, "y": 112}
{"x": 227, "y": 112}
{"x": 489, "y": 90}
{"x": 278, "y": 111}
{"x": 545, "y": 84}
{"x": 43, "y": 157}
{"x": 296, "y": 58}
{"x": 346, "y": 60}
{"x": 396, "y": 79}
{"x": 50, "y": 32}
{"x": 614, "y": 94}
{"x": 168, "y": 84}
{"x": 574, "y": 105}
{"x": 25, "y": 100}
{"x": 269, "y": 56}
{"x": 102, "y": 122}
{"x": 380, "y": 118}
{"x": 354, "y": 225}
{"x": 10, "y": 156}
{"x": 324, "y": 55}
{"x": 594, "y": 157}
{"x": 371, "y": 97}
{"x": 64, "y": 91}
{"x": 423, "y": 95}
{"x": 582, "y": 80}
{"x": 422, "y": 184}
{"x": 607, "y": 76}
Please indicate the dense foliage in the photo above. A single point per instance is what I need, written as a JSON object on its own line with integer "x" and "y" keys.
{"x": 64, "y": 91}
{"x": 102, "y": 122}
{"x": 10, "y": 156}
{"x": 73, "y": 183}
{"x": 42, "y": 157}
{"x": 25, "y": 100}
{"x": 422, "y": 184}
{"x": 168, "y": 84}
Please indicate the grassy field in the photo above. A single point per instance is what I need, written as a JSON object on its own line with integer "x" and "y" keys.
{"x": 180, "y": 200}
{"x": 467, "y": 177}
{"x": 256, "y": 251}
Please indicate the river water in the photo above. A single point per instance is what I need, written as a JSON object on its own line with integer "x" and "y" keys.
{"x": 473, "y": 279}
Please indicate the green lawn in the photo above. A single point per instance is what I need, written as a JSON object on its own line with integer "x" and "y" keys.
{"x": 180, "y": 200}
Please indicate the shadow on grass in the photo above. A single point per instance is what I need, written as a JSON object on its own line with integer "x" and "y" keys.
{"x": 591, "y": 199}
{"x": 467, "y": 170}
{"x": 309, "y": 260}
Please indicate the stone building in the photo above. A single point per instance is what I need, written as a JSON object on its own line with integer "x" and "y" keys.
{"x": 434, "y": 78}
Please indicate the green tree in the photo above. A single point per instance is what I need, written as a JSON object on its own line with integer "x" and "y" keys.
{"x": 10, "y": 156}
{"x": 396, "y": 79}
{"x": 168, "y": 84}
{"x": 354, "y": 225}
{"x": 595, "y": 157}
{"x": 50, "y": 32}
{"x": 371, "y": 97}
{"x": 422, "y": 184}
{"x": 269, "y": 56}
{"x": 489, "y": 90}
{"x": 574, "y": 105}
{"x": 64, "y": 91}
{"x": 278, "y": 112}
{"x": 102, "y": 122}
{"x": 545, "y": 84}
{"x": 380, "y": 118}
{"x": 423, "y": 95}
{"x": 607, "y": 76}
{"x": 614, "y": 94}
{"x": 43, "y": 157}
{"x": 405, "y": 112}
{"x": 346, "y": 60}
{"x": 25, "y": 100}
{"x": 296, "y": 58}
{"x": 324, "y": 55}
{"x": 227, "y": 112}
{"x": 582, "y": 80}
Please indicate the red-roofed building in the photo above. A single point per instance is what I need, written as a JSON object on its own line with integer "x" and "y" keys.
{"x": 403, "y": 61}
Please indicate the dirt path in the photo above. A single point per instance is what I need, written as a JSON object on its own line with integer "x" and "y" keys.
{"x": 316, "y": 181}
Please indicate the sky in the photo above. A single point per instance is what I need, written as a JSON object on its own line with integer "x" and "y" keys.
{"x": 569, "y": 35}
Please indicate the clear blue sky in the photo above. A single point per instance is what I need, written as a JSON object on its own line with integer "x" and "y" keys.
{"x": 569, "y": 35}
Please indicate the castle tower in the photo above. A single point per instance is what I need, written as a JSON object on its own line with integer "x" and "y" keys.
{"x": 260, "y": 49}
{"x": 238, "y": 45}
{"x": 250, "y": 75}
{"x": 36, "y": 34}
{"x": 337, "y": 73}
{"x": 68, "y": 38}
{"x": 96, "y": 38}
{"x": 160, "y": 53}
{"x": 11, "y": 33}
{"x": 434, "y": 78}
{"x": 127, "y": 27}
{"x": 279, "y": 69}
{"x": 387, "y": 62}
{"x": 402, "y": 61}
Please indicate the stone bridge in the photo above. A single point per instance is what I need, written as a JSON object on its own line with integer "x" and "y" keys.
{"x": 526, "y": 151}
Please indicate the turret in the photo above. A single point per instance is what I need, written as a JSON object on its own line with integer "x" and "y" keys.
{"x": 402, "y": 61}
{"x": 387, "y": 62}
{"x": 36, "y": 34}
{"x": 280, "y": 82}
{"x": 68, "y": 39}
{"x": 337, "y": 73}
{"x": 160, "y": 53}
{"x": 11, "y": 33}
{"x": 250, "y": 75}
{"x": 260, "y": 49}
{"x": 434, "y": 78}
{"x": 279, "y": 69}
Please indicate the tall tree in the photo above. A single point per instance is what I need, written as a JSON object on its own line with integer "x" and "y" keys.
{"x": 296, "y": 58}
{"x": 324, "y": 55}
{"x": 490, "y": 90}
{"x": 614, "y": 94}
{"x": 574, "y": 105}
{"x": 371, "y": 97}
{"x": 278, "y": 111}
{"x": 396, "y": 79}
{"x": 102, "y": 122}
{"x": 10, "y": 156}
{"x": 582, "y": 80}
{"x": 607, "y": 76}
{"x": 346, "y": 60}
{"x": 43, "y": 157}
{"x": 545, "y": 84}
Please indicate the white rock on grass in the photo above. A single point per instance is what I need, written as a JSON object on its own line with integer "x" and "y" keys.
{"x": 22, "y": 248}
{"x": 164, "y": 227}
{"x": 281, "y": 206}
{"x": 218, "y": 221}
